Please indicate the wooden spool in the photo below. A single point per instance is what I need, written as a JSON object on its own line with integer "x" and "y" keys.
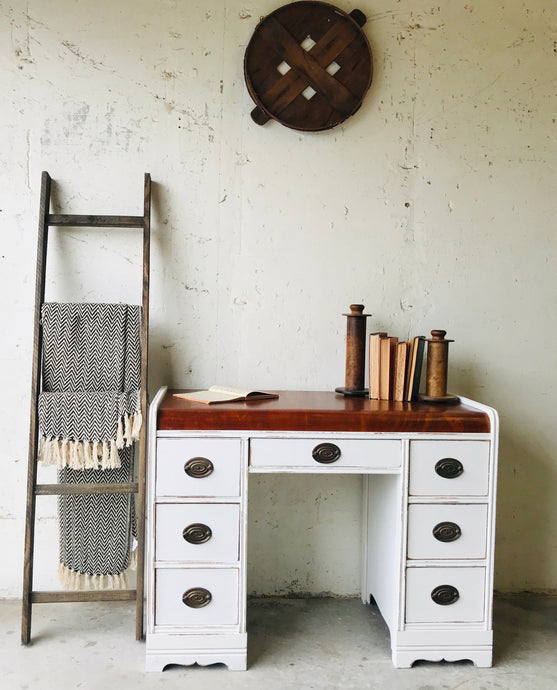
{"x": 437, "y": 367}
{"x": 355, "y": 352}
{"x": 308, "y": 65}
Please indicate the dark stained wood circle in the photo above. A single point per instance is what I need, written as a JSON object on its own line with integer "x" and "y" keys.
{"x": 290, "y": 64}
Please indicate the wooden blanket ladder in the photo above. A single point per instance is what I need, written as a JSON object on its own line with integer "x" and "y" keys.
{"x": 30, "y": 597}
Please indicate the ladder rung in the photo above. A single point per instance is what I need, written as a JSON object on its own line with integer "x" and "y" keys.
{"x": 96, "y": 595}
{"x": 76, "y": 489}
{"x": 81, "y": 221}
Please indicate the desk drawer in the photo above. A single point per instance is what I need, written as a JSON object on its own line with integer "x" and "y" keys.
{"x": 197, "y": 532}
{"x": 449, "y": 468}
{"x": 198, "y": 467}
{"x": 213, "y": 596}
{"x": 461, "y": 589}
{"x": 321, "y": 454}
{"x": 447, "y": 531}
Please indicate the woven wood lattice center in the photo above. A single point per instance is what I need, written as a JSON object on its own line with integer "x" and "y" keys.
{"x": 308, "y": 65}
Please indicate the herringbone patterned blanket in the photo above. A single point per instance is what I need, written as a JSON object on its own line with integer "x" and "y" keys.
{"x": 96, "y": 531}
{"x": 89, "y": 407}
{"x": 89, "y": 416}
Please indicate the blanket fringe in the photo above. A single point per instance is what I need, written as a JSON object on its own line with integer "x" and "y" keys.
{"x": 79, "y": 455}
{"x": 71, "y": 579}
{"x": 129, "y": 426}
{"x": 91, "y": 455}
{"x": 137, "y": 424}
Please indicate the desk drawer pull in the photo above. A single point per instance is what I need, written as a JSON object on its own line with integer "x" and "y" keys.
{"x": 197, "y": 533}
{"x": 444, "y": 595}
{"x": 449, "y": 468}
{"x": 198, "y": 468}
{"x": 447, "y": 531}
{"x": 197, "y": 597}
{"x": 326, "y": 453}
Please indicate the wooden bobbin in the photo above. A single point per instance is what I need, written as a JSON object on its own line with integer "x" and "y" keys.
{"x": 355, "y": 352}
{"x": 437, "y": 366}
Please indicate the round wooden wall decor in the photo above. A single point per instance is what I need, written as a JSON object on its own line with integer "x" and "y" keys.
{"x": 308, "y": 65}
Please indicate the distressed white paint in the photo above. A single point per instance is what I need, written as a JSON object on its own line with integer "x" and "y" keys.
{"x": 400, "y": 582}
{"x": 434, "y": 206}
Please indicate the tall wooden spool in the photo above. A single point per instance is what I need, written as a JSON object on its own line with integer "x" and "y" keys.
{"x": 355, "y": 352}
{"x": 437, "y": 367}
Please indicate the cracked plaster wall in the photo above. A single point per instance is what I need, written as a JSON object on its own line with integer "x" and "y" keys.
{"x": 434, "y": 206}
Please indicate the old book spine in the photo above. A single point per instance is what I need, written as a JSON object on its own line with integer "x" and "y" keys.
{"x": 375, "y": 363}
{"x": 387, "y": 367}
{"x": 400, "y": 371}
{"x": 415, "y": 368}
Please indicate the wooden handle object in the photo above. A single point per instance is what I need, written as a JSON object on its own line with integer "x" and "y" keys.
{"x": 355, "y": 347}
{"x": 437, "y": 366}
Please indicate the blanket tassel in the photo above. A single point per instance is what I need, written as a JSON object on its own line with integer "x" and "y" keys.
{"x": 91, "y": 455}
{"x": 71, "y": 579}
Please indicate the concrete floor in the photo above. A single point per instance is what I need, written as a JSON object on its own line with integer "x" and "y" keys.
{"x": 294, "y": 643}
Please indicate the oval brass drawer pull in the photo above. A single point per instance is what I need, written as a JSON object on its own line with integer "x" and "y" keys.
{"x": 197, "y": 533}
{"x": 449, "y": 468}
{"x": 198, "y": 468}
{"x": 326, "y": 453}
{"x": 447, "y": 531}
{"x": 444, "y": 595}
{"x": 197, "y": 597}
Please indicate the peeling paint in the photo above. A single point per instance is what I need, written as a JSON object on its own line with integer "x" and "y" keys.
{"x": 75, "y": 50}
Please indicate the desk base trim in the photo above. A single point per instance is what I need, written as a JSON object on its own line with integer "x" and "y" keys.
{"x": 481, "y": 657}
{"x": 203, "y": 649}
{"x": 235, "y": 660}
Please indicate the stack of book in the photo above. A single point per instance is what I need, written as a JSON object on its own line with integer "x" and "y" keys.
{"x": 395, "y": 367}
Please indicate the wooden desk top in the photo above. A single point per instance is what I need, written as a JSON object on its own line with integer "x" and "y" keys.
{"x": 320, "y": 411}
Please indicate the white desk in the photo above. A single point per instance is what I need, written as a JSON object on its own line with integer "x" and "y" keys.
{"x": 428, "y": 524}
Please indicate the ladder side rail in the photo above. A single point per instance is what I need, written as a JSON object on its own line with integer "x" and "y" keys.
{"x": 33, "y": 416}
{"x": 142, "y": 464}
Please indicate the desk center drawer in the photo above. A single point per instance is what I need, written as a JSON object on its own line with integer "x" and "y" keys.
{"x": 323, "y": 454}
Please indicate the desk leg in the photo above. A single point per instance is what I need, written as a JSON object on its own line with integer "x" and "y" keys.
{"x": 381, "y": 548}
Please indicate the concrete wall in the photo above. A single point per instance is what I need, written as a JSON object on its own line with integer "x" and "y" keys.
{"x": 434, "y": 206}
